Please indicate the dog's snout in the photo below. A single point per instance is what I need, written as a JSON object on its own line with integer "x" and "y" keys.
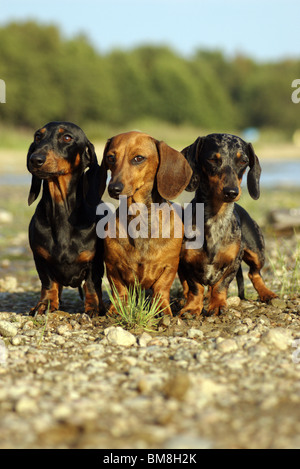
{"x": 37, "y": 160}
{"x": 115, "y": 188}
{"x": 230, "y": 193}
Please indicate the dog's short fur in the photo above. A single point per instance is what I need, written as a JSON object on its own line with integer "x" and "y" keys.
{"x": 219, "y": 162}
{"x": 146, "y": 171}
{"x": 62, "y": 232}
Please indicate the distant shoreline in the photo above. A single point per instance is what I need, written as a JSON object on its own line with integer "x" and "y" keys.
{"x": 14, "y": 161}
{"x": 278, "y": 152}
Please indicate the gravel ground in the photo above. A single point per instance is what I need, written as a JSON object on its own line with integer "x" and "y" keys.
{"x": 221, "y": 382}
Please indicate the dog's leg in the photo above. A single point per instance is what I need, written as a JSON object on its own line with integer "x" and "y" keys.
{"x": 256, "y": 263}
{"x": 194, "y": 299}
{"x": 50, "y": 296}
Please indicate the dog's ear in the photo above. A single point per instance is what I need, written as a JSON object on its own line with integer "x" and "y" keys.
{"x": 191, "y": 153}
{"x": 35, "y": 181}
{"x": 254, "y": 173}
{"x": 91, "y": 176}
{"x": 174, "y": 172}
{"x": 89, "y": 156}
{"x": 34, "y": 189}
{"x": 103, "y": 169}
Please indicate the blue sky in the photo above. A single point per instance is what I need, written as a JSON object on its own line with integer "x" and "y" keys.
{"x": 261, "y": 29}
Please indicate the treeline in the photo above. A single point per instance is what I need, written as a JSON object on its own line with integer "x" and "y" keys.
{"x": 49, "y": 77}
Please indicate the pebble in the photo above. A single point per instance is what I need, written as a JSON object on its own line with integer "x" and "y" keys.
{"x": 25, "y": 405}
{"x": 17, "y": 340}
{"x": 227, "y": 346}
{"x": 64, "y": 329}
{"x": 222, "y": 382}
{"x": 279, "y": 338}
{"x": 144, "y": 339}
{"x": 233, "y": 302}
{"x": 8, "y": 284}
{"x": 119, "y": 336}
{"x": 278, "y": 303}
{"x": 177, "y": 386}
{"x": 7, "y": 329}
{"x": 195, "y": 333}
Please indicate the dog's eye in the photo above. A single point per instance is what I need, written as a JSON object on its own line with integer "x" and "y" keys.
{"x": 243, "y": 160}
{"x": 67, "y": 138}
{"x": 37, "y": 138}
{"x": 111, "y": 159}
{"x": 138, "y": 159}
{"x": 215, "y": 160}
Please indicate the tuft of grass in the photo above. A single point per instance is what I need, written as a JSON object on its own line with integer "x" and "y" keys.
{"x": 45, "y": 325}
{"x": 137, "y": 310}
{"x": 287, "y": 270}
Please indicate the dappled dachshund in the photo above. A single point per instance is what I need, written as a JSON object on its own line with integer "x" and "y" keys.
{"x": 62, "y": 232}
{"x": 148, "y": 172}
{"x": 219, "y": 162}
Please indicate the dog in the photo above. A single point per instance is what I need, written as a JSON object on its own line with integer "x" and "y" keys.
{"x": 219, "y": 162}
{"x": 148, "y": 172}
{"x": 62, "y": 233}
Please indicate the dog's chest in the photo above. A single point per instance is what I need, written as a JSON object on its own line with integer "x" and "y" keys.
{"x": 221, "y": 248}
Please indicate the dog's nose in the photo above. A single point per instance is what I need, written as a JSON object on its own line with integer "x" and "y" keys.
{"x": 37, "y": 160}
{"x": 115, "y": 189}
{"x": 230, "y": 193}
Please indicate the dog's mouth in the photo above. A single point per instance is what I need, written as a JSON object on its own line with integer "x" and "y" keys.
{"x": 44, "y": 174}
{"x": 116, "y": 190}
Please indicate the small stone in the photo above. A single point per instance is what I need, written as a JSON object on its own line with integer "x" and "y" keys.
{"x": 177, "y": 386}
{"x": 95, "y": 350}
{"x": 227, "y": 346}
{"x": 7, "y": 329}
{"x": 165, "y": 321}
{"x": 8, "y": 284}
{"x": 17, "y": 340}
{"x": 25, "y": 405}
{"x": 179, "y": 322}
{"x": 278, "y": 337}
{"x": 28, "y": 325}
{"x": 143, "y": 386}
{"x": 64, "y": 329}
{"x": 233, "y": 302}
{"x": 58, "y": 339}
{"x": 119, "y": 336}
{"x": 278, "y": 303}
{"x": 62, "y": 411}
{"x": 195, "y": 333}
{"x": 144, "y": 339}
{"x": 158, "y": 341}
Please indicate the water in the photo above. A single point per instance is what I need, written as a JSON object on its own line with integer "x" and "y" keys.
{"x": 12, "y": 179}
{"x": 285, "y": 174}
{"x": 280, "y": 174}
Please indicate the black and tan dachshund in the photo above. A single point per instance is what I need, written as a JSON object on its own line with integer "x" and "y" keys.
{"x": 219, "y": 162}
{"x": 62, "y": 232}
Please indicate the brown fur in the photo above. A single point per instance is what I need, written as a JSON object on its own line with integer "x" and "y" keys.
{"x": 162, "y": 174}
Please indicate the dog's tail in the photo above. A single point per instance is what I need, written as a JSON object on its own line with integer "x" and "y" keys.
{"x": 80, "y": 290}
{"x": 240, "y": 282}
